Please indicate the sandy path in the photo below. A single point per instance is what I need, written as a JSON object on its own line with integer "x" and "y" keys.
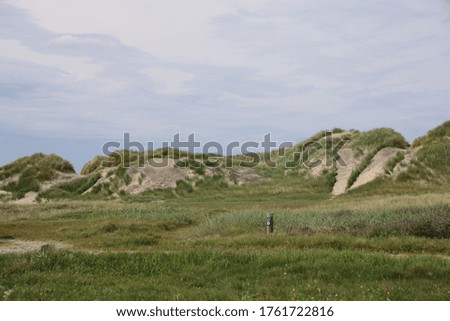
{"x": 20, "y": 246}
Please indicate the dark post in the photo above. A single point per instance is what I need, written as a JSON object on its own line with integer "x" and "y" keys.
{"x": 269, "y": 223}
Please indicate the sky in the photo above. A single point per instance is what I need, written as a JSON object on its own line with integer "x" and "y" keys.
{"x": 77, "y": 74}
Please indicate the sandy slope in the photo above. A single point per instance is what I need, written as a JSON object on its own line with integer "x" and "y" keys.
{"x": 344, "y": 170}
{"x": 377, "y": 166}
{"x": 151, "y": 177}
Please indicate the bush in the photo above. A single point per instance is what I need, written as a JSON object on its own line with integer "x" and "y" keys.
{"x": 192, "y": 164}
{"x": 72, "y": 188}
{"x": 432, "y": 222}
{"x": 200, "y": 170}
{"x": 214, "y": 182}
{"x": 183, "y": 187}
{"x": 330, "y": 178}
{"x": 95, "y": 164}
{"x": 123, "y": 158}
{"x": 22, "y": 187}
{"x": 379, "y": 138}
{"x": 109, "y": 228}
{"x": 337, "y": 130}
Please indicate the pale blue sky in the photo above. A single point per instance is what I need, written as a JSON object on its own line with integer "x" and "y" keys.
{"x": 75, "y": 74}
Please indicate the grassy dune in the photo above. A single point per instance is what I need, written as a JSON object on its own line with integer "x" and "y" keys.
{"x": 30, "y": 171}
{"x": 387, "y": 240}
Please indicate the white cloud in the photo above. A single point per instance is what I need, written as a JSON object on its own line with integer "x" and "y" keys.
{"x": 171, "y": 81}
{"x": 276, "y": 38}
{"x": 286, "y": 61}
{"x": 78, "y": 67}
{"x": 73, "y": 40}
{"x": 171, "y": 30}
{"x": 321, "y": 103}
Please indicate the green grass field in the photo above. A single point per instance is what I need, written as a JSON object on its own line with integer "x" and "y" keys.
{"x": 206, "y": 247}
{"x": 206, "y": 239}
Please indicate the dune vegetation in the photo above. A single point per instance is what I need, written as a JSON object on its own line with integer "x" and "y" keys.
{"x": 204, "y": 237}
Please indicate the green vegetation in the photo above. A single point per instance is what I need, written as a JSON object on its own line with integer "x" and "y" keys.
{"x": 31, "y": 171}
{"x": 128, "y": 158}
{"x": 371, "y": 142}
{"x": 215, "y": 182}
{"x": 183, "y": 187}
{"x": 207, "y": 274}
{"x": 188, "y": 249}
{"x": 400, "y": 156}
{"x": 71, "y": 189}
{"x": 377, "y": 139}
{"x": 206, "y": 238}
{"x": 440, "y": 133}
{"x": 431, "y": 221}
{"x": 361, "y": 167}
{"x": 197, "y": 166}
{"x": 313, "y": 144}
{"x": 96, "y": 164}
{"x": 44, "y": 165}
{"x": 427, "y": 172}
{"x": 430, "y": 165}
{"x": 432, "y": 158}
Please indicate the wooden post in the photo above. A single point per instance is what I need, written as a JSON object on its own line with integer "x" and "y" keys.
{"x": 269, "y": 223}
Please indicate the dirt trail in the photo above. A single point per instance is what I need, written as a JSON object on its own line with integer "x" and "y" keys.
{"x": 345, "y": 170}
{"x": 376, "y": 166}
{"x": 20, "y": 246}
{"x": 406, "y": 255}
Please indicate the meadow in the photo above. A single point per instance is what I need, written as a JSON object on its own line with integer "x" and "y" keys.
{"x": 212, "y": 245}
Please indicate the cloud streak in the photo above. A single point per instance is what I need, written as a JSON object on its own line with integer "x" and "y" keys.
{"x": 224, "y": 69}
{"x": 76, "y": 66}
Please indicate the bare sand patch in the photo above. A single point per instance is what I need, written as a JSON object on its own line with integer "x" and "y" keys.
{"x": 21, "y": 246}
{"x": 345, "y": 170}
{"x": 151, "y": 177}
{"x": 376, "y": 166}
{"x": 242, "y": 175}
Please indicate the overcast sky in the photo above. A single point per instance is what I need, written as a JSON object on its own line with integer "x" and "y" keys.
{"x": 75, "y": 74}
